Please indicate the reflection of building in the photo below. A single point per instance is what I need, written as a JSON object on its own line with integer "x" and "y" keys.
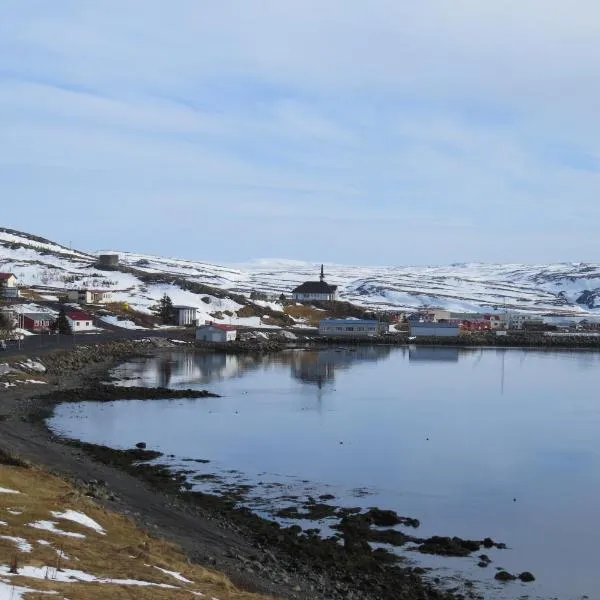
{"x": 319, "y": 366}
{"x": 429, "y": 354}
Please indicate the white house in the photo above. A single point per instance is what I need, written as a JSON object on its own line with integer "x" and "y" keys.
{"x": 513, "y": 320}
{"x": 79, "y": 321}
{"x": 185, "y": 315}
{"x": 212, "y": 332}
{"x": 315, "y": 290}
{"x": 8, "y": 286}
{"x": 352, "y": 328}
{"x": 423, "y": 329}
{"x": 87, "y": 296}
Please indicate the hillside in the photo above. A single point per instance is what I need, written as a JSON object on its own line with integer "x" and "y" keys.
{"x": 141, "y": 280}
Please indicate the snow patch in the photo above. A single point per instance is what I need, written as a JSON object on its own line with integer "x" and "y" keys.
{"x": 174, "y": 574}
{"x": 22, "y": 544}
{"x": 77, "y": 517}
{"x": 7, "y": 491}
{"x": 52, "y": 528}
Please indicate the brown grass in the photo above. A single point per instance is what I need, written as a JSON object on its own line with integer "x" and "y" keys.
{"x": 310, "y": 314}
{"x": 125, "y": 552}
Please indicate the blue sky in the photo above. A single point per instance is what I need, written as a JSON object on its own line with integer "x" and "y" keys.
{"x": 388, "y": 132}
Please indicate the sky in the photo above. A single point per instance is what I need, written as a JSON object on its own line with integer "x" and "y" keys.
{"x": 382, "y": 132}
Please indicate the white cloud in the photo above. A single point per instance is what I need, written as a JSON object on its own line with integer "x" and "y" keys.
{"x": 449, "y": 117}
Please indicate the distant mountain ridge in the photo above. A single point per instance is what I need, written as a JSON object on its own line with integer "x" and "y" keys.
{"x": 561, "y": 287}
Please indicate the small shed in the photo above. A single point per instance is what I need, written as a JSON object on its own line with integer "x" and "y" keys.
{"x": 212, "y": 332}
{"x": 108, "y": 260}
{"x": 185, "y": 315}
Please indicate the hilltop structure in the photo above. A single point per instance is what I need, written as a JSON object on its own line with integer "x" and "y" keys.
{"x": 318, "y": 291}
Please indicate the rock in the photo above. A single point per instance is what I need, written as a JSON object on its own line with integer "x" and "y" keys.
{"x": 482, "y": 564}
{"x": 141, "y": 445}
{"x": 526, "y": 576}
{"x": 383, "y": 518}
{"x": 504, "y": 576}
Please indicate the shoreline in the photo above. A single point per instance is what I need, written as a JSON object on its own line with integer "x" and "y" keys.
{"x": 256, "y": 554}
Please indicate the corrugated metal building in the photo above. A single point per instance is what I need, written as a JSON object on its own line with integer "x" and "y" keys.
{"x": 434, "y": 329}
{"x": 352, "y": 328}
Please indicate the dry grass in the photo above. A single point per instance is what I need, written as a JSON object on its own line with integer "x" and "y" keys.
{"x": 310, "y": 314}
{"x": 125, "y": 552}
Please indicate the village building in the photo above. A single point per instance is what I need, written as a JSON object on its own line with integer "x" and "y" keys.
{"x": 316, "y": 291}
{"x": 37, "y": 322}
{"x": 8, "y": 286}
{"x": 185, "y": 315}
{"x": 79, "y": 321}
{"x": 352, "y": 328}
{"x": 428, "y": 329}
{"x": 513, "y": 320}
{"x": 214, "y": 332}
{"x": 87, "y": 296}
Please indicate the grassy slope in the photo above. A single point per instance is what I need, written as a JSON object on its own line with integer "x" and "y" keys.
{"x": 125, "y": 552}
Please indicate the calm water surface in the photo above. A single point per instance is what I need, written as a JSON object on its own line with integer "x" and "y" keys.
{"x": 475, "y": 443}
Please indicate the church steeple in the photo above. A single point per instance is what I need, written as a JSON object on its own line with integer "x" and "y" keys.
{"x": 322, "y": 278}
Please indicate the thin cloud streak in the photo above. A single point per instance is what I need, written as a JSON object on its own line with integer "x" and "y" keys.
{"x": 320, "y": 131}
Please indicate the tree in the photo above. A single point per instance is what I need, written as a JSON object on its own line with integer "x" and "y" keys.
{"x": 6, "y": 326}
{"x": 165, "y": 310}
{"x": 62, "y": 324}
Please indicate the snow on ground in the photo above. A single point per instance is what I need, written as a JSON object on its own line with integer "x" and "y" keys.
{"x": 174, "y": 574}
{"x": 21, "y": 543}
{"x": 70, "y": 575}
{"x": 78, "y": 517}
{"x": 123, "y": 323}
{"x": 8, "y": 591}
{"x": 51, "y": 526}
{"x": 32, "y": 365}
{"x": 53, "y": 268}
{"x": 4, "y": 523}
{"x": 8, "y": 491}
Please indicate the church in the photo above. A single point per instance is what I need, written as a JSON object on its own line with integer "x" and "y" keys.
{"x": 315, "y": 290}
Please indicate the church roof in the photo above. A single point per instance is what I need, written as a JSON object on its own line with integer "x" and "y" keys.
{"x": 314, "y": 287}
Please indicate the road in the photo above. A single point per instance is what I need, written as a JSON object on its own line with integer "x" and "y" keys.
{"x": 42, "y": 343}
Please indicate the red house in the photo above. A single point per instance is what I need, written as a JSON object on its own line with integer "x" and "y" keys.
{"x": 37, "y": 322}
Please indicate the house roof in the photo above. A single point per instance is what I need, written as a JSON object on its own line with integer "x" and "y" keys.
{"x": 39, "y": 316}
{"x": 5, "y": 276}
{"x": 78, "y": 315}
{"x": 349, "y": 321}
{"x": 314, "y": 287}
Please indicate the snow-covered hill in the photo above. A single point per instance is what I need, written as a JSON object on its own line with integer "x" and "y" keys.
{"x": 142, "y": 280}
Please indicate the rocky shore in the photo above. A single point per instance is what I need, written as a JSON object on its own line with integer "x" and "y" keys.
{"x": 257, "y": 554}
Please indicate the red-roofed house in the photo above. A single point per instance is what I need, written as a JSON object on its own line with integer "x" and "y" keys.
{"x": 213, "y": 332}
{"x": 79, "y": 320}
{"x": 8, "y": 286}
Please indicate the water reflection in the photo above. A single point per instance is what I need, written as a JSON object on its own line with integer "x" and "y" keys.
{"x": 318, "y": 367}
{"x": 432, "y": 354}
{"x": 498, "y": 442}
